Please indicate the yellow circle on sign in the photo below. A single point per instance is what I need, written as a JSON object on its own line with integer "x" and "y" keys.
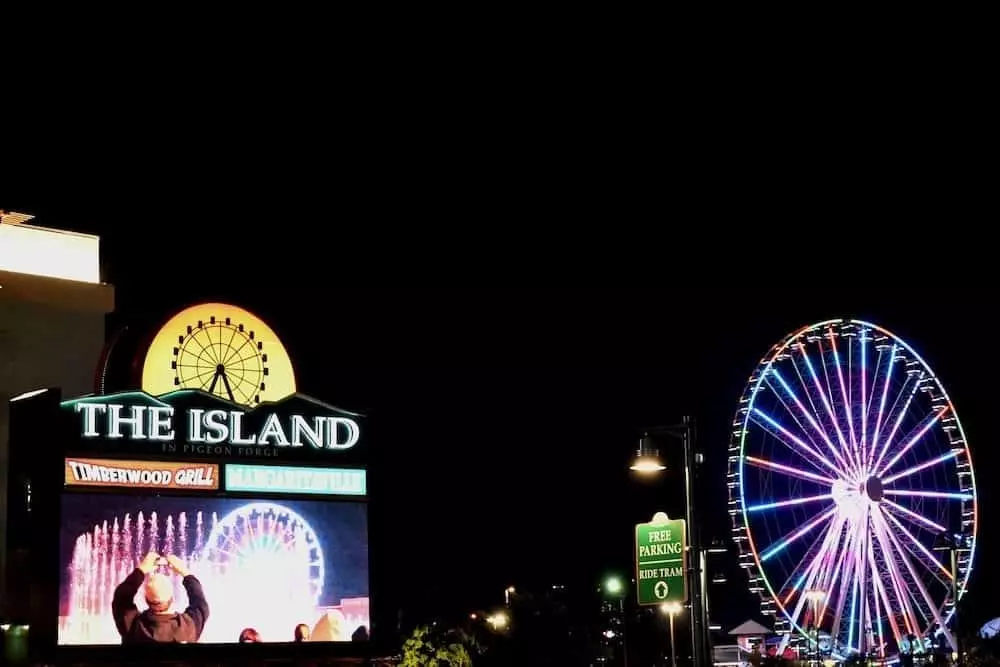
{"x": 221, "y": 349}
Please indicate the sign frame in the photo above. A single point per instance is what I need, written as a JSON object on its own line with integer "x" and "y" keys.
{"x": 648, "y": 589}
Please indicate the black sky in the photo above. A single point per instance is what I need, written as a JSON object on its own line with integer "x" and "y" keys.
{"x": 503, "y": 418}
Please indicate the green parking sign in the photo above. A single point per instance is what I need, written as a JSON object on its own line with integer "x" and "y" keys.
{"x": 661, "y": 560}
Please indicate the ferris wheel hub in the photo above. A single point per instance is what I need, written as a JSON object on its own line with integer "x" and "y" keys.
{"x": 873, "y": 489}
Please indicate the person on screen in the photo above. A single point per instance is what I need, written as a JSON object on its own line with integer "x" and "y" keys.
{"x": 249, "y": 636}
{"x": 301, "y": 633}
{"x": 158, "y": 624}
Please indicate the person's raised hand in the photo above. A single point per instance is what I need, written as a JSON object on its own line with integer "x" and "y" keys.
{"x": 148, "y": 562}
{"x": 177, "y": 565}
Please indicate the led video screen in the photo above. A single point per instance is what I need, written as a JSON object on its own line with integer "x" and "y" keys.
{"x": 265, "y": 565}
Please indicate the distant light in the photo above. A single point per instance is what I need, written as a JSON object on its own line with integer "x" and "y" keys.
{"x": 498, "y": 620}
{"x": 614, "y": 585}
{"x": 510, "y": 589}
{"x": 715, "y": 627}
{"x": 646, "y": 464}
{"x": 815, "y": 595}
{"x": 610, "y": 634}
{"x": 29, "y": 394}
{"x": 671, "y": 608}
{"x": 473, "y": 616}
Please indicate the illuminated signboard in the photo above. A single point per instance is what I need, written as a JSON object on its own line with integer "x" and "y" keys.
{"x": 200, "y": 424}
{"x": 287, "y": 479}
{"x": 142, "y": 474}
{"x": 216, "y": 381}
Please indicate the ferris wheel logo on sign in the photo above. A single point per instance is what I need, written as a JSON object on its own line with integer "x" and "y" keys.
{"x": 220, "y": 349}
{"x": 661, "y": 590}
{"x": 847, "y": 464}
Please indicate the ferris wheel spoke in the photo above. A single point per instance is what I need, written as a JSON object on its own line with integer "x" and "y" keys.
{"x": 925, "y": 555}
{"x": 795, "y": 535}
{"x": 913, "y": 517}
{"x": 832, "y": 535}
{"x": 789, "y": 503}
{"x": 900, "y": 414}
{"x": 205, "y": 351}
{"x": 229, "y": 345}
{"x": 803, "y": 411}
{"x": 788, "y": 470}
{"x": 928, "y": 600}
{"x": 886, "y": 381}
{"x": 199, "y": 375}
{"x": 825, "y": 397}
{"x": 791, "y": 440}
{"x": 848, "y": 410}
{"x": 242, "y": 360}
{"x": 818, "y": 559}
{"x": 848, "y": 575}
{"x": 883, "y": 596}
{"x": 863, "y": 403}
{"x": 929, "y": 494}
{"x": 876, "y": 602}
{"x": 922, "y": 466}
{"x": 918, "y": 432}
{"x": 235, "y": 351}
{"x": 899, "y": 583}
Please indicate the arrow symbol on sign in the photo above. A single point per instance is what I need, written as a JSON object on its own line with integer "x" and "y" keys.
{"x": 660, "y": 590}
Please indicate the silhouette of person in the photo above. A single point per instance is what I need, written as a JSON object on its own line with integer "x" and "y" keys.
{"x": 249, "y": 636}
{"x": 158, "y": 624}
{"x": 360, "y": 635}
{"x": 302, "y": 632}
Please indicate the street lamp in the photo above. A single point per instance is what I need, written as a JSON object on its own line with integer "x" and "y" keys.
{"x": 815, "y": 597}
{"x": 650, "y": 462}
{"x": 671, "y": 609}
{"x": 647, "y": 458}
{"x": 507, "y": 593}
{"x": 614, "y": 586}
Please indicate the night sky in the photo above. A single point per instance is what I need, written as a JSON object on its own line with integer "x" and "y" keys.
{"x": 503, "y": 419}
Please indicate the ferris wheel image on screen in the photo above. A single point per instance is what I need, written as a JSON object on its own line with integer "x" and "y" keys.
{"x": 223, "y": 358}
{"x": 848, "y": 470}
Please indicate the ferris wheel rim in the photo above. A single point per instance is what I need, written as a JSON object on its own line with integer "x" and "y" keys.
{"x": 744, "y": 533}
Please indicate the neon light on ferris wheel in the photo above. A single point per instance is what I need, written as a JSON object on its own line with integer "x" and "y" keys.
{"x": 847, "y": 461}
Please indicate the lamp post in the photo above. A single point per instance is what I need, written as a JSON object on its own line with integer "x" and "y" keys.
{"x": 614, "y": 587}
{"x": 815, "y": 598}
{"x": 671, "y": 609}
{"x": 647, "y": 461}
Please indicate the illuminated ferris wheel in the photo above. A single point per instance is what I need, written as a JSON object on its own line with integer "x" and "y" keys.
{"x": 270, "y": 551}
{"x": 848, "y": 466}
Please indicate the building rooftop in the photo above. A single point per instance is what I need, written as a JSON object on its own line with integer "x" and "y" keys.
{"x": 52, "y": 253}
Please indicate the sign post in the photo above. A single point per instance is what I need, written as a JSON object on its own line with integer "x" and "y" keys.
{"x": 661, "y": 561}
